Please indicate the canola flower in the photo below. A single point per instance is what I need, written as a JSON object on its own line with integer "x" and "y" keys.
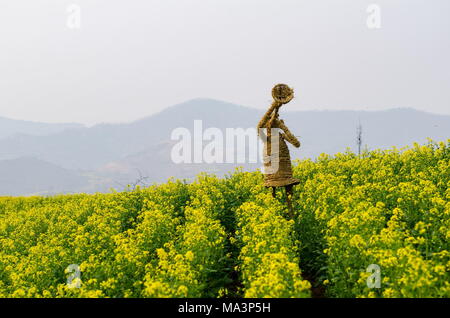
{"x": 268, "y": 255}
{"x": 390, "y": 208}
{"x": 227, "y": 237}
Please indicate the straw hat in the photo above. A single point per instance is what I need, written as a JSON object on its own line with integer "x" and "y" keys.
{"x": 282, "y": 93}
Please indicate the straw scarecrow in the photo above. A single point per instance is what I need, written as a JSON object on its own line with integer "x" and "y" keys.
{"x": 277, "y": 161}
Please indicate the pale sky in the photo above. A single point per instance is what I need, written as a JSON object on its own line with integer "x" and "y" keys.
{"x": 131, "y": 59}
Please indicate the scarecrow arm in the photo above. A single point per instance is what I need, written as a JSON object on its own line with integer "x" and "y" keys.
{"x": 266, "y": 117}
{"x": 288, "y": 135}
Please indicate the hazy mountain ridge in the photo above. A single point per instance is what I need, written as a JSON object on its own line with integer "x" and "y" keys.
{"x": 32, "y": 176}
{"x": 10, "y": 127}
{"x": 91, "y": 147}
{"x": 117, "y": 154}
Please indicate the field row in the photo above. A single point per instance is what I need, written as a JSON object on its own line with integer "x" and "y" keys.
{"x": 384, "y": 216}
{"x": 173, "y": 240}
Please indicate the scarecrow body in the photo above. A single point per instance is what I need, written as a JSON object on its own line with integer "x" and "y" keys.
{"x": 276, "y": 152}
{"x": 277, "y": 155}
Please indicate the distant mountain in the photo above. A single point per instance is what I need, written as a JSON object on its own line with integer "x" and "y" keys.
{"x": 10, "y": 127}
{"x": 117, "y": 154}
{"x": 90, "y": 148}
{"x": 25, "y": 176}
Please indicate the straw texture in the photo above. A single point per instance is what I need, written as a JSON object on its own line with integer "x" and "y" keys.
{"x": 278, "y": 153}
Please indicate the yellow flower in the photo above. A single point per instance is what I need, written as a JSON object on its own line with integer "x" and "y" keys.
{"x": 189, "y": 256}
